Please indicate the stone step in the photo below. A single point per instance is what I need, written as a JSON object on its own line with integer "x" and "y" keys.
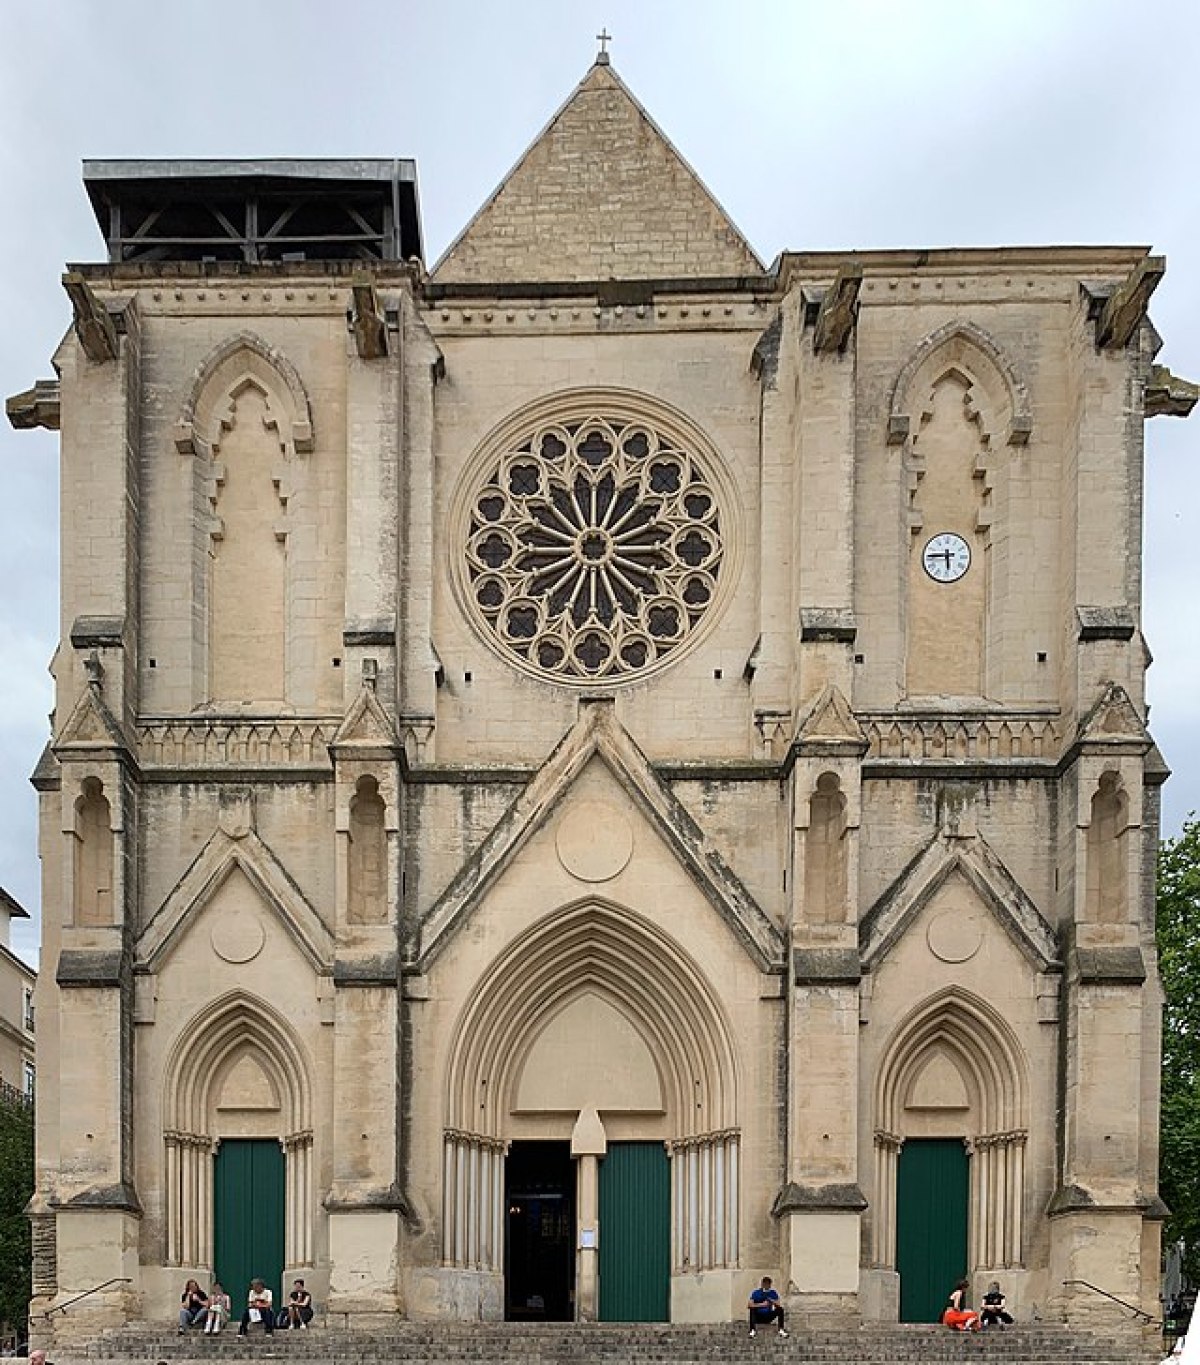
{"x": 619, "y": 1343}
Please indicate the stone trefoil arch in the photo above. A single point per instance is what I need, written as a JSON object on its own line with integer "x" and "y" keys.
{"x": 597, "y": 537}
{"x": 604, "y": 950}
{"x": 247, "y": 420}
{"x": 967, "y": 347}
{"x": 996, "y": 397}
{"x": 230, "y": 1029}
{"x": 960, "y": 1029}
{"x": 241, "y": 359}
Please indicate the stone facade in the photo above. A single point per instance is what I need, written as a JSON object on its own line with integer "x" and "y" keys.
{"x": 527, "y": 713}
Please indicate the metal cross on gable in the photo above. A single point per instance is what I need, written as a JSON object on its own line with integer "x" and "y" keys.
{"x": 604, "y": 38}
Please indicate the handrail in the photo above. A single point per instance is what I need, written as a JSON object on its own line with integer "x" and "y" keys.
{"x": 1139, "y": 1314}
{"x": 62, "y": 1307}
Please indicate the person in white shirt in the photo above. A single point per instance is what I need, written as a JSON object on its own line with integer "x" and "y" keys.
{"x": 258, "y": 1309}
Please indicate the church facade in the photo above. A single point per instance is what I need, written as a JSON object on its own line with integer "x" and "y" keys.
{"x": 597, "y": 773}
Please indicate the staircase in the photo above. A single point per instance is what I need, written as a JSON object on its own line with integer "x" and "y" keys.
{"x": 619, "y": 1343}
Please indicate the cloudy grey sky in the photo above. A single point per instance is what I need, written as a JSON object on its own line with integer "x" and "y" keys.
{"x": 817, "y": 123}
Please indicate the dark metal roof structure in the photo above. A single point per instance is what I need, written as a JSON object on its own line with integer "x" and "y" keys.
{"x": 257, "y": 211}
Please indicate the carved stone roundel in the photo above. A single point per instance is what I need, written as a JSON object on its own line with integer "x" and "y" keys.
{"x": 238, "y": 936}
{"x": 594, "y": 841}
{"x": 954, "y": 936}
{"x": 596, "y": 540}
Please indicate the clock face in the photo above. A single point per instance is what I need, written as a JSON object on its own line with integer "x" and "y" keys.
{"x": 946, "y": 557}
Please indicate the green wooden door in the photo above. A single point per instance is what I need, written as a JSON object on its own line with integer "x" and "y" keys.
{"x": 635, "y": 1233}
{"x": 248, "y": 1191}
{"x": 931, "y": 1224}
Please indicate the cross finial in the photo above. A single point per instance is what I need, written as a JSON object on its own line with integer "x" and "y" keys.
{"x": 603, "y": 38}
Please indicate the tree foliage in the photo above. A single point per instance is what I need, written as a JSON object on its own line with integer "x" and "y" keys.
{"x": 1178, "y": 926}
{"x": 16, "y": 1187}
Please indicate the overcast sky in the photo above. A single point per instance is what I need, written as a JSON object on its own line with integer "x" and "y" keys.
{"x": 819, "y": 124}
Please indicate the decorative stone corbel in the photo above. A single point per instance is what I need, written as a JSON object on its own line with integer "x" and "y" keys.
{"x": 367, "y": 321}
{"x": 838, "y": 312}
{"x": 1126, "y": 307}
{"x": 94, "y": 327}
{"x": 1166, "y": 394}
{"x": 39, "y": 406}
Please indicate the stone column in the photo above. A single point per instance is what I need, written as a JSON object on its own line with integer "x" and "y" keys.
{"x": 588, "y": 1144}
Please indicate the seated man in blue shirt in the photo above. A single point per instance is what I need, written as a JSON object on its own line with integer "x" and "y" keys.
{"x": 765, "y": 1308}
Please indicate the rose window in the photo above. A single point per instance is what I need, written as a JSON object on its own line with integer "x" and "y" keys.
{"x": 594, "y": 548}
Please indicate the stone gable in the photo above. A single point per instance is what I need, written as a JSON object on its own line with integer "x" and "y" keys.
{"x": 601, "y": 194}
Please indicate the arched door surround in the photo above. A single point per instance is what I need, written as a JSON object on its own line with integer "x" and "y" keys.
{"x": 236, "y": 1070}
{"x": 656, "y": 995}
{"x": 955, "y": 1069}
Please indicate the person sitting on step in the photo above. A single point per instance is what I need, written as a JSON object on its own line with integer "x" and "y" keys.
{"x": 299, "y": 1307}
{"x": 992, "y": 1312}
{"x": 258, "y": 1309}
{"x": 958, "y": 1316}
{"x": 219, "y": 1309}
{"x": 193, "y": 1306}
{"x": 765, "y": 1308}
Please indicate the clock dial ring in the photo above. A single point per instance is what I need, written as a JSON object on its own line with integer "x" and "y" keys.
{"x": 946, "y": 557}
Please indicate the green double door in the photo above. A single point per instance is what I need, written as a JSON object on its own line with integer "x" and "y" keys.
{"x": 932, "y": 1188}
{"x": 248, "y": 1199}
{"x": 635, "y": 1233}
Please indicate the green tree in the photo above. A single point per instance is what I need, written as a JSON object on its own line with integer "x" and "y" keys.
{"x": 16, "y": 1188}
{"x": 1178, "y": 925}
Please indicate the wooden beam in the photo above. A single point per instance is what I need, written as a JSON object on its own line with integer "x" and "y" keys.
{"x": 1169, "y": 396}
{"x": 36, "y": 407}
{"x": 1126, "y": 307}
{"x": 367, "y": 321}
{"x": 838, "y": 311}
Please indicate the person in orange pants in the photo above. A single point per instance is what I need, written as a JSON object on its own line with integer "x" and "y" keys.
{"x": 958, "y": 1316}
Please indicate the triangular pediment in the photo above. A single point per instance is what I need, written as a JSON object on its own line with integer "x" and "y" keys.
{"x": 600, "y": 194}
{"x": 1113, "y": 719}
{"x": 221, "y": 857}
{"x": 91, "y": 725}
{"x": 829, "y": 721}
{"x": 982, "y": 869}
{"x": 598, "y": 735}
{"x": 366, "y": 724}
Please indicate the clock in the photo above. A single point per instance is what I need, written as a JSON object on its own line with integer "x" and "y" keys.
{"x": 946, "y": 557}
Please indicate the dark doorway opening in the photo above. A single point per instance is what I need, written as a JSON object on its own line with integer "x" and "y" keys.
{"x": 539, "y": 1252}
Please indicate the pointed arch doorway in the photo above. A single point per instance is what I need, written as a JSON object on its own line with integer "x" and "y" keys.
{"x": 238, "y": 1146}
{"x": 951, "y": 1123}
{"x": 595, "y": 1029}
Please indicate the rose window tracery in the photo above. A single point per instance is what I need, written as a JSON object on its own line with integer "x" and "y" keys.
{"x": 594, "y": 547}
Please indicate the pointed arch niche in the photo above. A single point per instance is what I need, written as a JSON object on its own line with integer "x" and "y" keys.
{"x": 237, "y": 1070}
{"x": 366, "y": 869}
{"x": 247, "y": 421}
{"x": 1107, "y": 852}
{"x": 954, "y": 1069}
{"x": 93, "y": 856}
{"x": 825, "y": 854}
{"x": 594, "y": 1008}
{"x": 957, "y": 404}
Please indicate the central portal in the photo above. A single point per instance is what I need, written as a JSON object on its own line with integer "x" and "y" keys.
{"x": 539, "y": 1252}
